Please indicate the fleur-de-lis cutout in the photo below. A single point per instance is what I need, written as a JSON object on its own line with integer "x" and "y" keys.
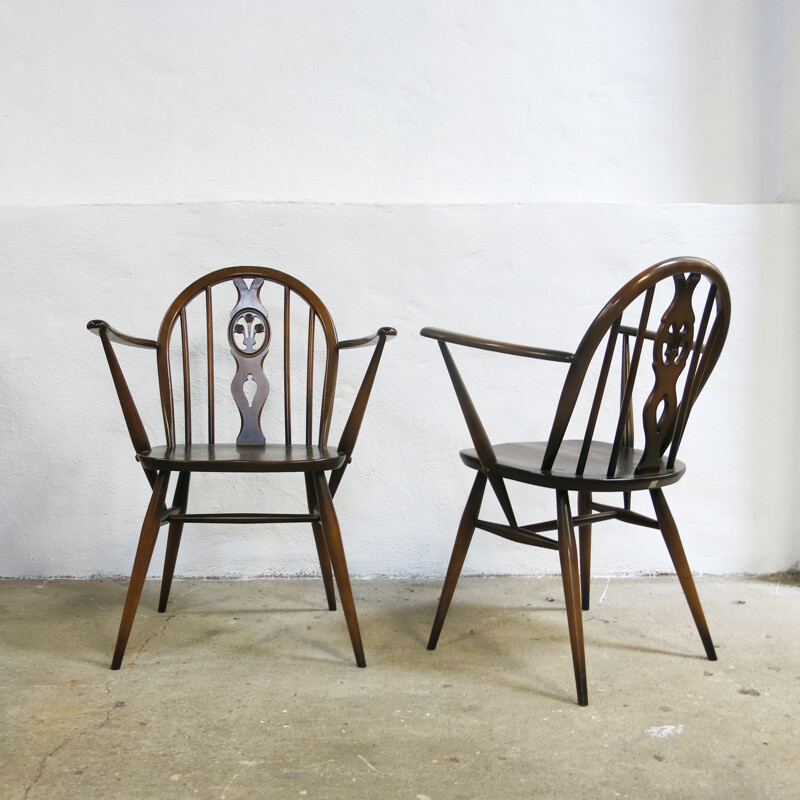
{"x": 671, "y": 348}
{"x": 249, "y": 338}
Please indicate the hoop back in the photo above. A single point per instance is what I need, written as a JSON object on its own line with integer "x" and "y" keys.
{"x": 685, "y": 350}
{"x": 250, "y": 337}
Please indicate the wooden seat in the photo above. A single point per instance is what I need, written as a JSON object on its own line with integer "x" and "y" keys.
{"x": 522, "y": 461}
{"x": 694, "y": 304}
{"x": 242, "y": 458}
{"x": 307, "y": 356}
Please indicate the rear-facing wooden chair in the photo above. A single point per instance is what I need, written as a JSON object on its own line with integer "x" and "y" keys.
{"x": 683, "y": 356}
{"x": 249, "y": 337}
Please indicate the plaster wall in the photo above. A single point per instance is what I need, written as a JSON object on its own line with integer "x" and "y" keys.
{"x": 73, "y": 497}
{"x": 666, "y": 101}
{"x": 499, "y": 168}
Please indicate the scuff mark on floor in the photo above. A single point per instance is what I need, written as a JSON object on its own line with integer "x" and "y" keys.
{"x": 664, "y": 731}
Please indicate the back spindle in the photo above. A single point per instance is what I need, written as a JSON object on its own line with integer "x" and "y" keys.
{"x": 187, "y": 393}
{"x": 210, "y": 363}
{"x": 287, "y": 387}
{"x": 627, "y": 396}
{"x": 310, "y": 375}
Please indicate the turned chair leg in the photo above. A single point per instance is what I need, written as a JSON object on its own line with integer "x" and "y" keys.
{"x": 333, "y": 536}
{"x": 174, "y": 539}
{"x": 463, "y": 538}
{"x": 585, "y": 536}
{"x": 669, "y": 530}
{"x": 322, "y": 547}
{"x": 567, "y": 552}
{"x": 144, "y": 552}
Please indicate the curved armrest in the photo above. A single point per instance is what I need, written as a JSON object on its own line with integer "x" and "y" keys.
{"x": 524, "y": 350}
{"x": 98, "y": 325}
{"x": 366, "y": 340}
{"x": 353, "y": 425}
{"x": 136, "y": 429}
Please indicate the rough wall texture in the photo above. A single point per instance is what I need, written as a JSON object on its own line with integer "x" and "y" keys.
{"x": 500, "y": 168}
{"x": 73, "y": 497}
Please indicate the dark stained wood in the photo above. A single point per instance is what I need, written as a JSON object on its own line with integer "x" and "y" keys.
{"x": 671, "y": 349}
{"x": 627, "y": 395}
{"x": 210, "y": 365}
{"x": 585, "y": 538}
{"x": 133, "y": 421}
{"x": 144, "y": 552}
{"x": 669, "y": 531}
{"x": 333, "y": 538}
{"x": 310, "y": 375}
{"x": 249, "y": 338}
{"x": 287, "y": 365}
{"x": 483, "y": 447}
{"x": 174, "y": 537}
{"x": 187, "y": 383}
{"x": 521, "y": 461}
{"x": 463, "y": 538}
{"x": 248, "y": 518}
{"x": 99, "y": 327}
{"x": 598, "y": 398}
{"x": 242, "y": 458}
{"x": 498, "y": 347}
{"x": 568, "y": 555}
{"x": 319, "y": 540}
{"x": 249, "y": 320}
{"x": 590, "y": 465}
{"x": 693, "y": 382}
{"x": 347, "y": 442}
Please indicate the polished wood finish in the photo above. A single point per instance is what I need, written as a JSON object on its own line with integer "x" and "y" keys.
{"x": 144, "y": 552}
{"x": 249, "y": 337}
{"x": 460, "y": 548}
{"x": 242, "y": 458}
{"x": 683, "y": 355}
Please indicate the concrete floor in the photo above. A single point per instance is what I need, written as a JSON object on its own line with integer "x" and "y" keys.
{"x": 250, "y": 690}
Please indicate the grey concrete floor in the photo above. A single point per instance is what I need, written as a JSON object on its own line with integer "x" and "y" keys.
{"x": 249, "y": 690}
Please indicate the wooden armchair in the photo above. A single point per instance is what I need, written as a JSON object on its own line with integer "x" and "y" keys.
{"x": 683, "y": 355}
{"x": 185, "y": 451}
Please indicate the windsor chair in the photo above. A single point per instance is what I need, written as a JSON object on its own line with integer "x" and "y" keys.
{"x": 249, "y": 338}
{"x": 590, "y": 466}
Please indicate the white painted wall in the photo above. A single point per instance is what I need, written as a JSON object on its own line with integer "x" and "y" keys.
{"x": 399, "y": 101}
{"x": 500, "y": 168}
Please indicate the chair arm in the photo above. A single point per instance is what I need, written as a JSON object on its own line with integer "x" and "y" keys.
{"x": 347, "y": 442}
{"x": 498, "y": 347}
{"x": 366, "y": 340}
{"x": 133, "y": 421}
{"x": 97, "y": 325}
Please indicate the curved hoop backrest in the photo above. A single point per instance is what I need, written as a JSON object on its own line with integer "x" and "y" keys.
{"x": 249, "y": 336}
{"x": 678, "y": 343}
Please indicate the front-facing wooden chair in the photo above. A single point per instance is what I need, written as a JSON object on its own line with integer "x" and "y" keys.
{"x": 684, "y": 351}
{"x": 298, "y": 360}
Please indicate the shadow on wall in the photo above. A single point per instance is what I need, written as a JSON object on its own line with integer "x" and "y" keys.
{"x": 746, "y": 65}
{"x": 774, "y": 421}
{"x": 774, "y": 424}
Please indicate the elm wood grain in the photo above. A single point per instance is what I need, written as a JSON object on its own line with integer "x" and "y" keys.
{"x": 175, "y": 531}
{"x": 249, "y": 334}
{"x": 144, "y": 552}
{"x": 683, "y": 355}
{"x": 242, "y": 458}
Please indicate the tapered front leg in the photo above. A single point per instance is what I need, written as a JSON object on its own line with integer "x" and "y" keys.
{"x": 669, "y": 530}
{"x": 567, "y": 552}
{"x": 333, "y": 536}
{"x": 174, "y": 539}
{"x": 322, "y": 547}
{"x": 585, "y": 537}
{"x": 463, "y": 538}
{"x": 147, "y": 541}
